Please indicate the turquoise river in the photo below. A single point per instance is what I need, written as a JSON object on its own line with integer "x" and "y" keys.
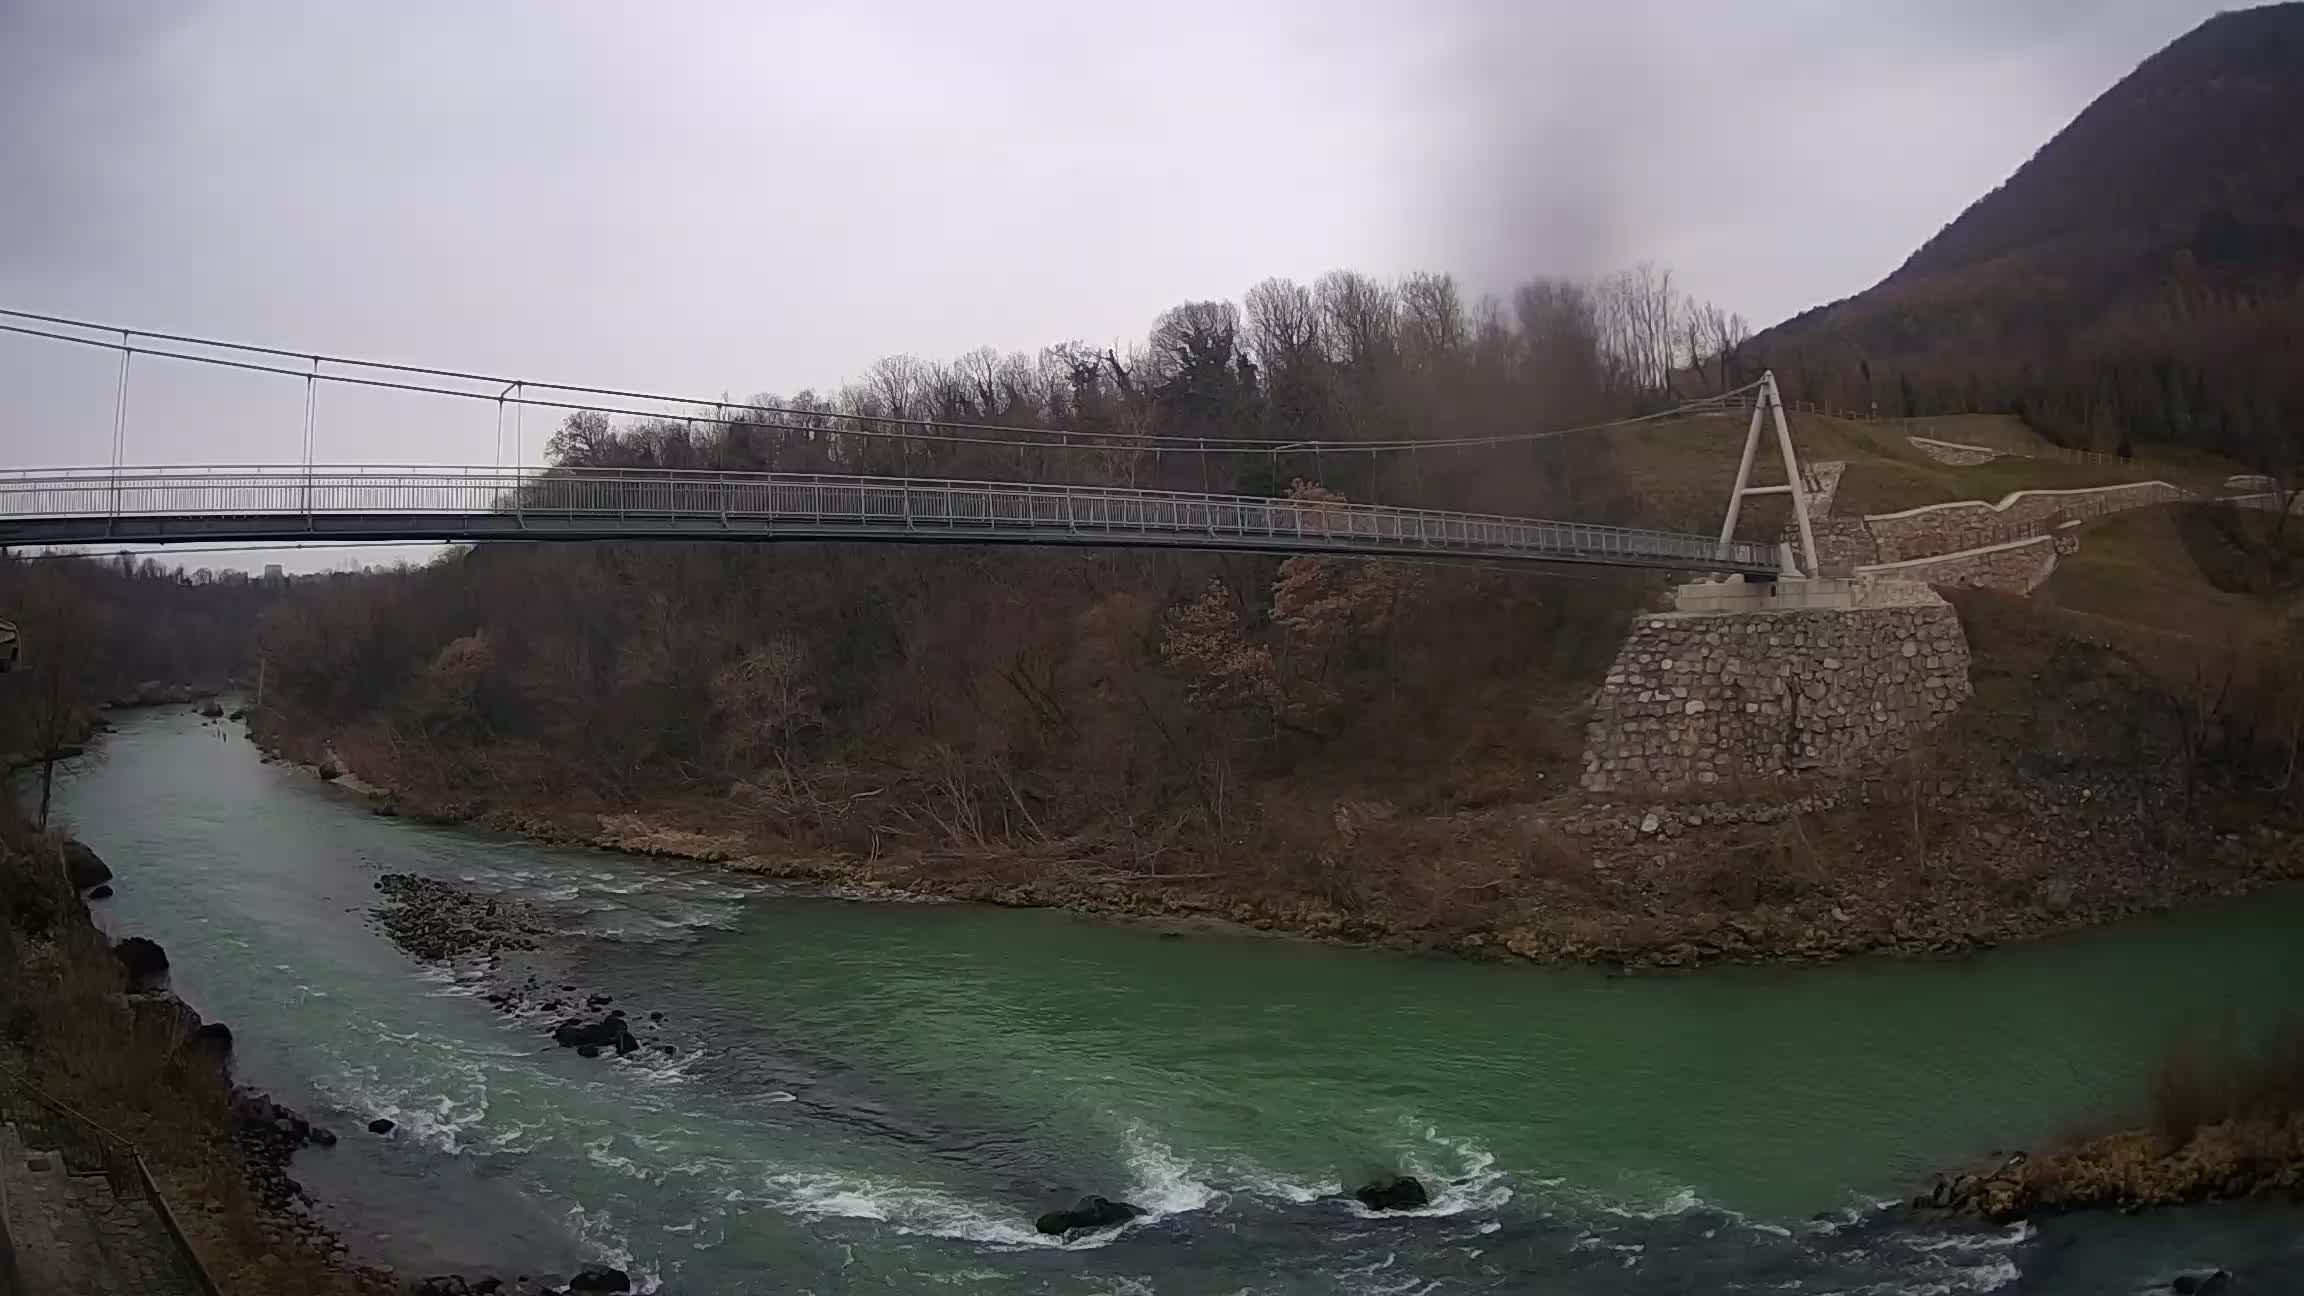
{"x": 879, "y": 1097}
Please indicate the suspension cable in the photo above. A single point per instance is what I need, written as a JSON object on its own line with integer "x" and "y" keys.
{"x": 819, "y": 418}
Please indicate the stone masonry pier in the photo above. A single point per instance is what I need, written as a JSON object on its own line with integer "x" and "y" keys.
{"x": 1750, "y": 685}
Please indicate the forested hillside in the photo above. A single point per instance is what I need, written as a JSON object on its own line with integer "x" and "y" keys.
{"x": 97, "y": 629}
{"x": 1124, "y": 705}
{"x": 2140, "y": 279}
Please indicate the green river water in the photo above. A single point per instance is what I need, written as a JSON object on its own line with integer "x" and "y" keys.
{"x": 880, "y": 1097}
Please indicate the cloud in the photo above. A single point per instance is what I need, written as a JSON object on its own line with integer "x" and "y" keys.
{"x": 1780, "y": 153}
{"x": 738, "y": 197}
{"x": 80, "y": 82}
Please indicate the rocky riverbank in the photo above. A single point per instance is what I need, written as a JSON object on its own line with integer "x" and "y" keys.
{"x": 2133, "y": 1170}
{"x": 1622, "y": 884}
{"x": 1989, "y": 840}
{"x": 227, "y": 1160}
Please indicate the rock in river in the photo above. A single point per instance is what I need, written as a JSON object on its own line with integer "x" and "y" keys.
{"x": 212, "y": 1037}
{"x": 438, "y": 920}
{"x": 100, "y": 893}
{"x": 1088, "y": 1213}
{"x": 83, "y": 866}
{"x": 609, "y": 1032}
{"x": 380, "y": 1126}
{"x": 143, "y": 963}
{"x": 600, "y": 1278}
{"x": 1392, "y": 1192}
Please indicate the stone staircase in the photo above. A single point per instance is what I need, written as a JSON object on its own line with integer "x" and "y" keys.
{"x": 72, "y": 1234}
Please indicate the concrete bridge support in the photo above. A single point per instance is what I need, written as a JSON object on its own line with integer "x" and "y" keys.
{"x": 1744, "y": 686}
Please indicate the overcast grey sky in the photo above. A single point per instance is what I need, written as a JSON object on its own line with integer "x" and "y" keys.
{"x": 745, "y": 195}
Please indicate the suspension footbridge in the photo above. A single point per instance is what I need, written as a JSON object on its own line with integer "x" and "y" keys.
{"x": 126, "y": 504}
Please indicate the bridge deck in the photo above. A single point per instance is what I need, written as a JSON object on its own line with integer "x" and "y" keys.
{"x": 180, "y": 505}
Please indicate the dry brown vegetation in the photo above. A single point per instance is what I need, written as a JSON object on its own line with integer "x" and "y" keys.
{"x": 1351, "y": 747}
{"x": 2227, "y": 1122}
{"x": 1140, "y": 713}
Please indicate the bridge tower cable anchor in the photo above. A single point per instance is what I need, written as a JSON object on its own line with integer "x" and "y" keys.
{"x": 1769, "y": 405}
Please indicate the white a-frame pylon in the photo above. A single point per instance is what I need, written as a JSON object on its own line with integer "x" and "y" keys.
{"x": 1766, "y": 403}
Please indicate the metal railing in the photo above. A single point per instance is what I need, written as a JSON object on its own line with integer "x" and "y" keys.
{"x": 183, "y": 503}
{"x": 87, "y": 1147}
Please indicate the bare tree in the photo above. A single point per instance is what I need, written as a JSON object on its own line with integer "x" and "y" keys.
{"x": 57, "y": 686}
{"x": 1715, "y": 341}
{"x": 1359, "y": 320}
{"x": 1639, "y": 317}
{"x": 1561, "y": 345}
{"x": 1283, "y": 321}
{"x": 1283, "y": 325}
{"x": 765, "y": 702}
{"x": 1433, "y": 326}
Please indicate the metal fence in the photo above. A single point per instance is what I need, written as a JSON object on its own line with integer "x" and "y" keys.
{"x": 86, "y": 1147}
{"x": 84, "y": 505}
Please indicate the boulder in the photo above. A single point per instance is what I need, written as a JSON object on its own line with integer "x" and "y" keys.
{"x": 2207, "y": 1284}
{"x": 238, "y": 713}
{"x": 250, "y": 1109}
{"x": 1089, "y": 1213}
{"x": 100, "y": 893}
{"x": 600, "y": 1278}
{"x": 323, "y": 1137}
{"x": 587, "y": 1050}
{"x": 143, "y": 963}
{"x": 608, "y": 1032}
{"x": 212, "y": 710}
{"x": 380, "y": 1126}
{"x": 329, "y": 771}
{"x": 83, "y": 867}
{"x": 1392, "y": 1192}
{"x": 163, "y": 1014}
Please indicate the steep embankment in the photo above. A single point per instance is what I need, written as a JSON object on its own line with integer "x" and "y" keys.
{"x": 93, "y": 1026}
{"x": 2065, "y": 794}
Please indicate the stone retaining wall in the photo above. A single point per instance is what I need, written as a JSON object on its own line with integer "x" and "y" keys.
{"x": 1698, "y": 700}
{"x": 1842, "y": 544}
{"x": 1971, "y": 524}
{"x": 1955, "y": 453}
{"x": 2017, "y": 567}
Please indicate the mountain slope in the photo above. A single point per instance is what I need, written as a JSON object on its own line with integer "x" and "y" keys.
{"x": 2139, "y": 278}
